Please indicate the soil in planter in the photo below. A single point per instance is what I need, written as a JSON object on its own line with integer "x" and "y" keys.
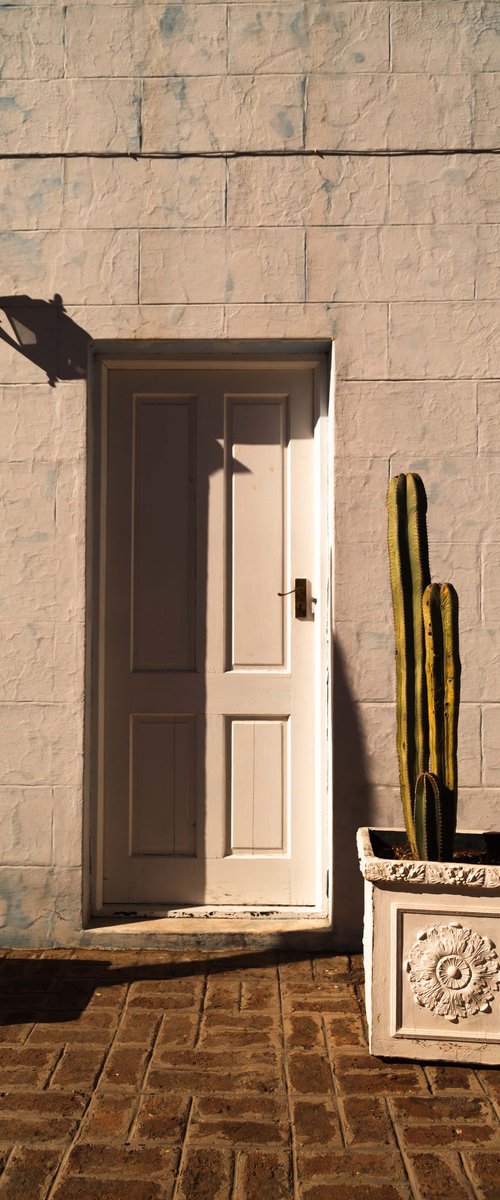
{"x": 484, "y": 852}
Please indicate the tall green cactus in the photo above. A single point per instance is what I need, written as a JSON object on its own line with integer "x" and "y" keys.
{"x": 410, "y": 575}
{"x": 427, "y": 676}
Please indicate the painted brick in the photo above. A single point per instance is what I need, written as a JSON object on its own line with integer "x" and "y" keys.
{"x": 41, "y": 906}
{"x": 491, "y": 745}
{"x": 234, "y": 264}
{"x": 488, "y": 267}
{"x": 308, "y": 37}
{"x": 463, "y": 35}
{"x": 390, "y": 112}
{"x": 41, "y": 661}
{"x": 477, "y": 517}
{"x": 95, "y": 266}
{"x": 26, "y": 821}
{"x": 234, "y": 112}
{"x": 150, "y": 320}
{"x": 150, "y": 39}
{"x": 486, "y": 111}
{"x": 67, "y": 816}
{"x": 444, "y": 341}
{"x": 41, "y": 744}
{"x": 31, "y": 43}
{"x": 488, "y": 398}
{"x": 148, "y": 193}
{"x": 378, "y": 725}
{"x": 491, "y": 585}
{"x": 31, "y": 193}
{"x": 360, "y": 331}
{"x": 47, "y": 578}
{"x": 391, "y": 263}
{"x": 402, "y": 415}
{"x": 308, "y": 191}
{"x": 451, "y": 189}
{"x": 40, "y": 422}
{"x": 60, "y": 116}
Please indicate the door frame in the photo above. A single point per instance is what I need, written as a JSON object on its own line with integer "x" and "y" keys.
{"x": 105, "y": 356}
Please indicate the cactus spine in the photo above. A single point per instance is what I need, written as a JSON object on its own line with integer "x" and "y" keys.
{"x": 410, "y": 575}
{"x": 427, "y": 676}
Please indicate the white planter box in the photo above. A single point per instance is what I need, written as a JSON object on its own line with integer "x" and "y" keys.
{"x": 432, "y": 953}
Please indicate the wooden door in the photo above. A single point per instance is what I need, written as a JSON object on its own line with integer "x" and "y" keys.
{"x": 208, "y": 775}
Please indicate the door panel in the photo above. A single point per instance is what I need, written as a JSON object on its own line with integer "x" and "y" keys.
{"x": 207, "y": 676}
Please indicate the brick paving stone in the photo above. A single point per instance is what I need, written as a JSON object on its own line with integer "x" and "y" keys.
{"x": 108, "y": 1117}
{"x": 125, "y": 1067}
{"x": 367, "y": 1121}
{"x": 26, "y": 1066}
{"x": 125, "y": 1162}
{"x": 140, "y": 1027}
{"x": 304, "y": 1032}
{"x": 72, "y": 1187}
{"x": 264, "y": 1177}
{"x": 206, "y": 1175}
{"x": 32, "y": 1129}
{"x": 29, "y": 1173}
{"x": 46, "y": 1104}
{"x": 328, "y": 1164}
{"x": 344, "y": 1030}
{"x": 440, "y": 1135}
{"x": 123, "y": 1073}
{"x": 180, "y": 1029}
{"x": 258, "y": 996}
{"x": 438, "y": 1178}
{"x": 161, "y": 1118}
{"x": 444, "y": 1078}
{"x": 11, "y": 1034}
{"x": 354, "y": 1191}
{"x": 316, "y": 1123}
{"x": 78, "y": 1067}
{"x": 484, "y": 1170}
{"x": 310, "y": 1073}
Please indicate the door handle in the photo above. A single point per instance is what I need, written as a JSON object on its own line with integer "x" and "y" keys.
{"x": 301, "y": 592}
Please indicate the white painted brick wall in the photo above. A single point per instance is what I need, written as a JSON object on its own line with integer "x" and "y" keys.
{"x": 341, "y": 221}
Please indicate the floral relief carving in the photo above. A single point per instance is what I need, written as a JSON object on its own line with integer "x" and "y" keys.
{"x": 453, "y": 971}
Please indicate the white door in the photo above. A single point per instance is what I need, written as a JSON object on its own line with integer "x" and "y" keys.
{"x": 208, "y": 676}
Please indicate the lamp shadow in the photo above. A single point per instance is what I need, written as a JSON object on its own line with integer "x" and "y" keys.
{"x": 43, "y": 333}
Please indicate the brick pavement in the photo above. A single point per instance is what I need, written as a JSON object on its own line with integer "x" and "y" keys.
{"x": 145, "y": 1076}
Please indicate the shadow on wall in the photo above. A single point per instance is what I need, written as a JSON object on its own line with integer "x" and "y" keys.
{"x": 352, "y": 807}
{"x": 43, "y": 333}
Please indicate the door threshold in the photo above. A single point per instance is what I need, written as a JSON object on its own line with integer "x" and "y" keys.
{"x": 207, "y": 933}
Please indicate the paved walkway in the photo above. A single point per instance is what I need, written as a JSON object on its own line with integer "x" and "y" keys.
{"x": 233, "y": 1077}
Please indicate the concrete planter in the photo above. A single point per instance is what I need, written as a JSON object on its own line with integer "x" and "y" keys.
{"x": 432, "y": 953}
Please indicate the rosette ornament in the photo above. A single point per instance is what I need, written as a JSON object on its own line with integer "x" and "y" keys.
{"x": 453, "y": 971}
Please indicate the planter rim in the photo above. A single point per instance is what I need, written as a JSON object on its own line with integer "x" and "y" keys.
{"x": 417, "y": 872}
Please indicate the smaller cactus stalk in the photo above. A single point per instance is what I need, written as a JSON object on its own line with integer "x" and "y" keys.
{"x": 428, "y": 817}
{"x": 440, "y": 611}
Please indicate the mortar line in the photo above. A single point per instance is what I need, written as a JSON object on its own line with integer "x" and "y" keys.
{"x": 336, "y": 1091}
{"x": 284, "y": 152}
{"x": 184, "y": 1150}
{"x": 402, "y": 1153}
{"x": 293, "y": 1142}
{"x": 462, "y": 1155}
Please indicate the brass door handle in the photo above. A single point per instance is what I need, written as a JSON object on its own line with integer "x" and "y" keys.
{"x": 301, "y": 598}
